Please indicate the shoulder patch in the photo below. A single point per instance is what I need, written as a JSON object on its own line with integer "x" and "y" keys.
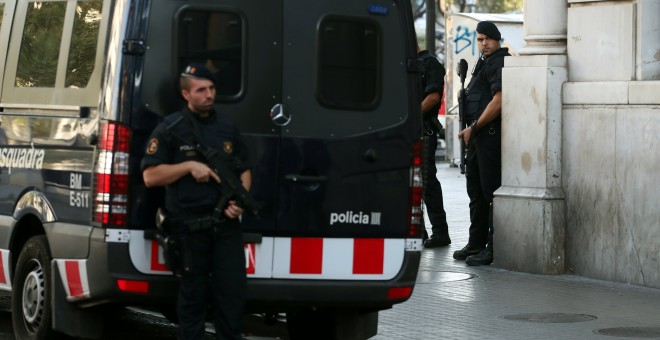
{"x": 228, "y": 147}
{"x": 152, "y": 146}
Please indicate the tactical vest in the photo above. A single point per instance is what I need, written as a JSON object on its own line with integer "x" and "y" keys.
{"x": 479, "y": 89}
{"x": 186, "y": 197}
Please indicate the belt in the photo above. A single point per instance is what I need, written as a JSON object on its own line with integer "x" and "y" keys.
{"x": 196, "y": 224}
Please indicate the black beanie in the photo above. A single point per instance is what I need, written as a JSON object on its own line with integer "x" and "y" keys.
{"x": 489, "y": 29}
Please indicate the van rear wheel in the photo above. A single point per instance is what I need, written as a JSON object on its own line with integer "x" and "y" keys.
{"x": 169, "y": 312}
{"x": 30, "y": 306}
{"x": 331, "y": 324}
{"x": 310, "y": 323}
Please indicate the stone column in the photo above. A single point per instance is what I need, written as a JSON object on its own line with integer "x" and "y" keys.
{"x": 529, "y": 207}
{"x": 545, "y": 27}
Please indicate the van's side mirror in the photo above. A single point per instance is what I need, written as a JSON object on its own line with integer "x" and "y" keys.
{"x": 84, "y": 112}
{"x": 93, "y": 138}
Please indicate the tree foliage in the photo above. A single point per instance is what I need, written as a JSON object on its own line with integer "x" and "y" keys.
{"x": 42, "y": 38}
{"x": 83, "y": 43}
{"x": 500, "y": 6}
{"x": 418, "y": 8}
{"x": 40, "y": 46}
{"x": 483, "y": 6}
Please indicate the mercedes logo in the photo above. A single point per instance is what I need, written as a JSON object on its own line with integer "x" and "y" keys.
{"x": 280, "y": 115}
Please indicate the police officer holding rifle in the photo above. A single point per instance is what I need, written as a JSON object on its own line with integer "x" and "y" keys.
{"x": 199, "y": 217}
{"x": 482, "y": 103}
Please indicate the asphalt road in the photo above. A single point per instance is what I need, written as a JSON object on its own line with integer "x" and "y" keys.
{"x": 139, "y": 324}
{"x": 122, "y": 324}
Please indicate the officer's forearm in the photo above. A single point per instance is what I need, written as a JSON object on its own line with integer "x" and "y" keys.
{"x": 430, "y": 101}
{"x": 246, "y": 179}
{"x": 492, "y": 111}
{"x": 164, "y": 174}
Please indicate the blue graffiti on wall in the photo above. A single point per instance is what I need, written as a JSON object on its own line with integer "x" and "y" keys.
{"x": 466, "y": 38}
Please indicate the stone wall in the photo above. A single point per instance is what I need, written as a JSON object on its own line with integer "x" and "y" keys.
{"x": 597, "y": 134}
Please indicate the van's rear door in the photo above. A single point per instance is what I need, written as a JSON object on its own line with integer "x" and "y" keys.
{"x": 345, "y": 154}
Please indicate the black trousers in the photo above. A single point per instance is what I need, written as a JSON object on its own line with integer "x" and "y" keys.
{"x": 217, "y": 276}
{"x": 484, "y": 175}
{"x": 432, "y": 188}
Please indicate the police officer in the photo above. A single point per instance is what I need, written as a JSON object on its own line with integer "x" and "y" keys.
{"x": 433, "y": 82}
{"x": 191, "y": 194}
{"x": 483, "y": 103}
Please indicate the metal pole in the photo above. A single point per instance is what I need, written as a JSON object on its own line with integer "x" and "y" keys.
{"x": 430, "y": 26}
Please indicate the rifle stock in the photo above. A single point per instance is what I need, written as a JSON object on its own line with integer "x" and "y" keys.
{"x": 462, "y": 73}
{"x": 462, "y": 125}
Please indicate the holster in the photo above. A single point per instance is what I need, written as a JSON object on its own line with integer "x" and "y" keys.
{"x": 170, "y": 243}
{"x": 434, "y": 124}
{"x": 169, "y": 230}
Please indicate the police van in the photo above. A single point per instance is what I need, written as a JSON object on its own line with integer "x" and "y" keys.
{"x": 327, "y": 96}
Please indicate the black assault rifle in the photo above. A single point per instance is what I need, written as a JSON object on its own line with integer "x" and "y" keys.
{"x": 461, "y": 69}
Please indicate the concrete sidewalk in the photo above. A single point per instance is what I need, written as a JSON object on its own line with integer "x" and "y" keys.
{"x": 454, "y": 301}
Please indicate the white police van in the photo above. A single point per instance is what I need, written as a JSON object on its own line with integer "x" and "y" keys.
{"x": 327, "y": 95}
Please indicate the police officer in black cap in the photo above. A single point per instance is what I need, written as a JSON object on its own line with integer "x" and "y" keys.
{"x": 483, "y": 103}
{"x": 212, "y": 255}
{"x": 433, "y": 82}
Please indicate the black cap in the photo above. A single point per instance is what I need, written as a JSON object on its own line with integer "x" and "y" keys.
{"x": 199, "y": 71}
{"x": 489, "y": 29}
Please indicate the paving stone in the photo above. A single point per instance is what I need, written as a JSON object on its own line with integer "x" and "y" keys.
{"x": 476, "y": 308}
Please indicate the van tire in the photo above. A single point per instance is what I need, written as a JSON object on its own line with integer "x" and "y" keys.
{"x": 332, "y": 324}
{"x": 30, "y": 306}
{"x": 169, "y": 312}
{"x": 308, "y": 323}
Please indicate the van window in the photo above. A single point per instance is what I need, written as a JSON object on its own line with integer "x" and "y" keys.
{"x": 53, "y": 56}
{"x": 348, "y": 63}
{"x": 213, "y": 38}
{"x": 82, "y": 53}
{"x": 42, "y": 39}
{"x": 40, "y": 45}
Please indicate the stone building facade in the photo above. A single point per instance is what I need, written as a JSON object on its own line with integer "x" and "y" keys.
{"x": 581, "y": 143}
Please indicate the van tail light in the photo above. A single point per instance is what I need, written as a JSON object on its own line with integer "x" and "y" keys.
{"x": 111, "y": 176}
{"x": 416, "y": 192}
{"x": 399, "y": 293}
{"x": 133, "y": 286}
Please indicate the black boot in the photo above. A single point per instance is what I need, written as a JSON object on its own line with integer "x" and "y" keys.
{"x": 437, "y": 241}
{"x": 468, "y": 250}
{"x": 485, "y": 257}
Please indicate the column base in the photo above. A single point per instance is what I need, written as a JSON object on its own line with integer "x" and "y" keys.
{"x": 529, "y": 230}
{"x": 550, "y": 47}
